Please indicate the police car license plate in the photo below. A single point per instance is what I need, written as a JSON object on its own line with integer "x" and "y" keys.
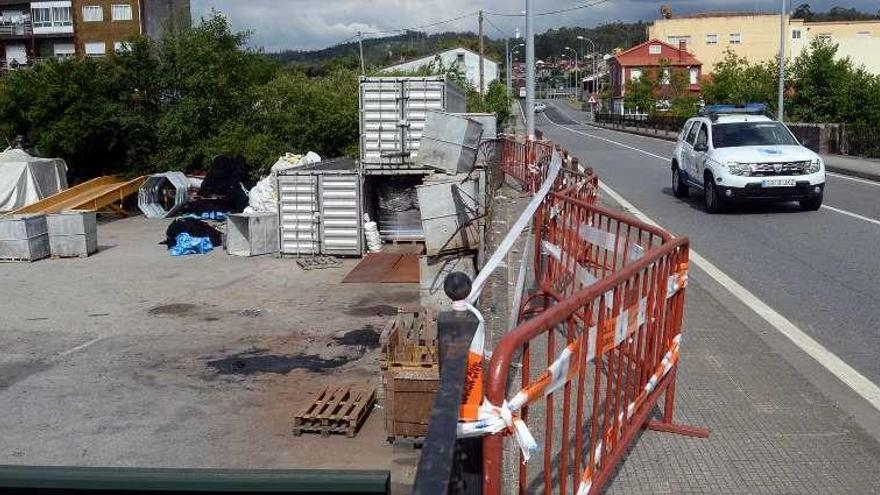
{"x": 777, "y": 183}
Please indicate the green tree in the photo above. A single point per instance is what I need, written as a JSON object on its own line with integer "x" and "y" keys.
{"x": 735, "y": 80}
{"x": 640, "y": 92}
{"x": 206, "y": 78}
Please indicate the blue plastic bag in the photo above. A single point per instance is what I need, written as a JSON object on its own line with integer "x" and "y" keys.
{"x": 187, "y": 244}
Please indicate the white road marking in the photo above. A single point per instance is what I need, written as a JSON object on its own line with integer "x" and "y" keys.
{"x": 79, "y": 347}
{"x": 836, "y": 366}
{"x": 854, "y": 179}
{"x": 851, "y": 214}
{"x": 667, "y": 159}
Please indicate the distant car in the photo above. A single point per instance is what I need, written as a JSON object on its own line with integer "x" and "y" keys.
{"x": 540, "y": 107}
{"x": 736, "y": 153}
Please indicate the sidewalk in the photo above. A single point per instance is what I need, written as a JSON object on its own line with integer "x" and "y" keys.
{"x": 859, "y": 167}
{"x": 849, "y": 165}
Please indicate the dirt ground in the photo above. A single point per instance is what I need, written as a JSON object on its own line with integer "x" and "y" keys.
{"x": 134, "y": 358}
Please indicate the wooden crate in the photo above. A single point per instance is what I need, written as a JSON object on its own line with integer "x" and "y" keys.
{"x": 409, "y": 393}
{"x": 338, "y": 409}
{"x": 410, "y": 339}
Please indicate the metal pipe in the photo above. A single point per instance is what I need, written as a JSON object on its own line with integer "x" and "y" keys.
{"x": 781, "y": 99}
{"x": 530, "y": 69}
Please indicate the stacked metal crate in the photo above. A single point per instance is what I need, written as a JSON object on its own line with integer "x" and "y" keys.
{"x": 23, "y": 238}
{"x": 72, "y": 234}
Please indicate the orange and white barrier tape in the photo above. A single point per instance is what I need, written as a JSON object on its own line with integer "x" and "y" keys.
{"x": 472, "y": 399}
{"x": 669, "y": 360}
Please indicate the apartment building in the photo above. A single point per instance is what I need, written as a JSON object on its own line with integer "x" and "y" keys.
{"x": 755, "y": 36}
{"x": 32, "y": 31}
{"x": 103, "y": 26}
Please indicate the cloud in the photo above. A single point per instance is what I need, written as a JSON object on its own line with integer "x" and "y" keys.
{"x": 313, "y": 24}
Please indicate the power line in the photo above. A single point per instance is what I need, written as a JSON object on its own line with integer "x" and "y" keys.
{"x": 551, "y": 12}
{"x": 500, "y": 31}
{"x": 423, "y": 26}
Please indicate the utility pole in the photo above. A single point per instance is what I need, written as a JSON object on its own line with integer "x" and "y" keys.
{"x": 530, "y": 69}
{"x": 361, "y": 44}
{"x": 509, "y": 64}
{"x": 482, "y": 85}
{"x": 781, "y": 100}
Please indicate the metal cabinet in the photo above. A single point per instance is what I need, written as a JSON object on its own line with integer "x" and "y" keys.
{"x": 320, "y": 209}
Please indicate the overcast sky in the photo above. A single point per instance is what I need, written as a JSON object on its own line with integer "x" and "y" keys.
{"x": 313, "y": 24}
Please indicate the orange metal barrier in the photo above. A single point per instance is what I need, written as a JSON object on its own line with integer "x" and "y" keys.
{"x": 602, "y": 342}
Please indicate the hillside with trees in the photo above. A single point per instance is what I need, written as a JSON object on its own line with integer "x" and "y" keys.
{"x": 390, "y": 50}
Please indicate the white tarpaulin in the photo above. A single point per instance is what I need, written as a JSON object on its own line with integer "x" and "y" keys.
{"x": 26, "y": 179}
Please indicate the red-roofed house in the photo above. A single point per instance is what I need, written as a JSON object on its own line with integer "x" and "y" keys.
{"x": 652, "y": 55}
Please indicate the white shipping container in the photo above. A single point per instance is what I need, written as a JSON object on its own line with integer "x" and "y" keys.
{"x": 392, "y": 117}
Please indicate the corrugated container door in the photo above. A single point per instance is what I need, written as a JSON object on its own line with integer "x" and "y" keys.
{"x": 341, "y": 226}
{"x": 420, "y": 97}
{"x": 380, "y": 116}
{"x": 299, "y": 214}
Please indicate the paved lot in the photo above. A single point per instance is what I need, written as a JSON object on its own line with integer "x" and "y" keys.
{"x": 134, "y": 358}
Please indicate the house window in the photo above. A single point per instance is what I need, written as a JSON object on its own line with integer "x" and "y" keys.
{"x": 694, "y": 75}
{"x": 711, "y": 39}
{"x": 654, "y": 49}
{"x": 46, "y": 17}
{"x": 96, "y": 49}
{"x": 664, "y": 76}
{"x": 121, "y": 46}
{"x": 825, "y": 36}
{"x": 863, "y": 34}
{"x": 93, "y": 13}
{"x": 64, "y": 50}
{"x": 42, "y": 17}
{"x": 61, "y": 16}
{"x": 635, "y": 74}
{"x": 735, "y": 38}
{"x": 795, "y": 34}
{"x": 121, "y": 12}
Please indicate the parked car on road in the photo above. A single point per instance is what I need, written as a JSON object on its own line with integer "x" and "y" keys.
{"x": 540, "y": 107}
{"x": 737, "y": 153}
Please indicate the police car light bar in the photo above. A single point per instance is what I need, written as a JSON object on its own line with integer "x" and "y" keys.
{"x": 747, "y": 109}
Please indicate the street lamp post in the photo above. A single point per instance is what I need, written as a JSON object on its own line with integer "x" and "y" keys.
{"x": 781, "y": 96}
{"x": 576, "y": 64}
{"x": 530, "y": 69}
{"x": 592, "y": 61}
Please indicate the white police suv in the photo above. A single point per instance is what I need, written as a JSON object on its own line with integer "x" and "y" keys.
{"x": 736, "y": 153}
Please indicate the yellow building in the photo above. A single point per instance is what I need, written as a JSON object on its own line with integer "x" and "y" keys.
{"x": 756, "y": 37}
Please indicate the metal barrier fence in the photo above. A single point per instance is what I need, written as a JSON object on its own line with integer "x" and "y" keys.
{"x": 597, "y": 343}
{"x": 603, "y": 334}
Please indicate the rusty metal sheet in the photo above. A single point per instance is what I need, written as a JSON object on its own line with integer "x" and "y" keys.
{"x": 388, "y": 268}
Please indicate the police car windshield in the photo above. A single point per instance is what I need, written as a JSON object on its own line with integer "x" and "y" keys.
{"x": 750, "y": 134}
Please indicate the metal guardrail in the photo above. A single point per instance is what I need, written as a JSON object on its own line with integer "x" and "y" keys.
{"x": 25, "y": 480}
{"x": 447, "y": 464}
{"x": 8, "y": 29}
{"x": 648, "y": 122}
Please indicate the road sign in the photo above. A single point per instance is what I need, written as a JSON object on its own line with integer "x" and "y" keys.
{"x": 592, "y": 100}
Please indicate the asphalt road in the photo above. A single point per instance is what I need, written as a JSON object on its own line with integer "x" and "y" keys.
{"x": 820, "y": 270}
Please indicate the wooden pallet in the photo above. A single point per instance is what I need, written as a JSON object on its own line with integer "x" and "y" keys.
{"x": 410, "y": 339}
{"x": 337, "y": 409}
